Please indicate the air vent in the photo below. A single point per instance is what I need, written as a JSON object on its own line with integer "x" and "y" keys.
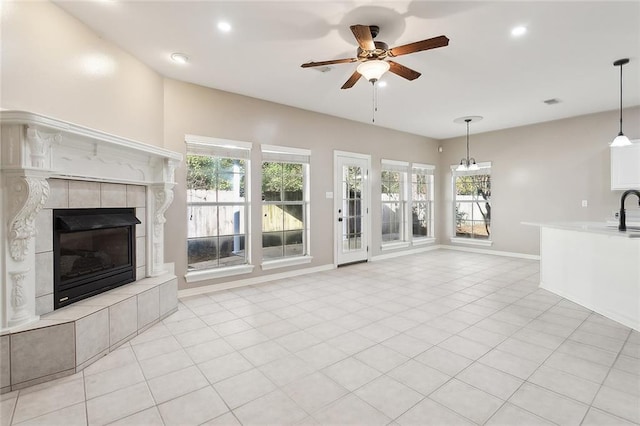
{"x": 552, "y": 101}
{"x": 323, "y": 69}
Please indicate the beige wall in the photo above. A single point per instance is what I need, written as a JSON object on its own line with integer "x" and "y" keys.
{"x": 191, "y": 109}
{"x": 51, "y": 65}
{"x": 541, "y": 172}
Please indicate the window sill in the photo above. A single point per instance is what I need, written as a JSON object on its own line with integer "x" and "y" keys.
{"x": 423, "y": 241}
{"x": 283, "y": 263}
{"x": 209, "y": 274}
{"x": 472, "y": 242}
{"x": 393, "y": 246}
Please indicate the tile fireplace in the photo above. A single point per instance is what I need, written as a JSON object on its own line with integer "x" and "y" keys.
{"x": 58, "y": 180}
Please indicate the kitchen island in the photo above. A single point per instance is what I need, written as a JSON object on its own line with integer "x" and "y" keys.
{"x": 593, "y": 265}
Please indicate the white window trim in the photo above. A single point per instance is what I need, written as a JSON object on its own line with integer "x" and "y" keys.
{"x": 484, "y": 168}
{"x": 206, "y": 145}
{"x": 285, "y": 150}
{"x": 210, "y": 274}
{"x": 471, "y": 241}
{"x": 297, "y": 154}
{"x": 400, "y": 167}
{"x": 394, "y": 245}
{"x": 218, "y": 142}
{"x": 286, "y": 261}
{"x": 427, "y": 169}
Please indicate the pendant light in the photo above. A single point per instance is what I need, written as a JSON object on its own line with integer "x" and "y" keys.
{"x": 468, "y": 163}
{"x": 621, "y": 139}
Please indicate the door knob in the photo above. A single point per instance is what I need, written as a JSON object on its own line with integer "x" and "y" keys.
{"x": 339, "y": 219}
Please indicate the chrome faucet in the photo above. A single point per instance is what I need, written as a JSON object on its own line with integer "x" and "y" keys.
{"x": 623, "y": 225}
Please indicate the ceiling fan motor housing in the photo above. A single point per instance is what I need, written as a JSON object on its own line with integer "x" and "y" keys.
{"x": 380, "y": 51}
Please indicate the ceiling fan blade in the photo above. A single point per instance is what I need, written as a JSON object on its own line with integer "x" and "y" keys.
{"x": 403, "y": 71}
{"x": 431, "y": 43}
{"x": 362, "y": 34}
{"x": 334, "y": 61}
{"x": 352, "y": 80}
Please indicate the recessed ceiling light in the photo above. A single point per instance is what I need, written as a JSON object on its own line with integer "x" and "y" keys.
{"x": 518, "y": 31}
{"x": 382, "y": 83}
{"x": 223, "y": 26}
{"x": 179, "y": 58}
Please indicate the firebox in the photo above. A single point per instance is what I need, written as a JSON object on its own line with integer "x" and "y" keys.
{"x": 93, "y": 251}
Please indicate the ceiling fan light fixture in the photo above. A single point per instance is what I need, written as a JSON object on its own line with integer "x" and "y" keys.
{"x": 374, "y": 69}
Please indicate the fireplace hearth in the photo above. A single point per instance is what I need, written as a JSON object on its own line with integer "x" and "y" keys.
{"x": 93, "y": 251}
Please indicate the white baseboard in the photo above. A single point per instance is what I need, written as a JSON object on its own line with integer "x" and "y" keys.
{"x": 251, "y": 281}
{"x": 404, "y": 252}
{"x": 494, "y": 252}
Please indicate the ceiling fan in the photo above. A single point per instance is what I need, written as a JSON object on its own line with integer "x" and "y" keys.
{"x": 374, "y": 55}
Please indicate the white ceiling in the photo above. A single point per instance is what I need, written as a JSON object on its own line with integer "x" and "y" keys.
{"x": 567, "y": 54}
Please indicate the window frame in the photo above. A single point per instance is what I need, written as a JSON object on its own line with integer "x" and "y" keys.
{"x": 429, "y": 171}
{"x": 484, "y": 168}
{"x": 401, "y": 167}
{"x": 224, "y": 148}
{"x": 289, "y": 155}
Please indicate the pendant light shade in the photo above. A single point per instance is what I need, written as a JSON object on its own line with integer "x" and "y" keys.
{"x": 374, "y": 69}
{"x": 468, "y": 163}
{"x": 621, "y": 139}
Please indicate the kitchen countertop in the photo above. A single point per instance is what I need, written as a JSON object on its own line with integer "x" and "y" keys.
{"x": 592, "y": 227}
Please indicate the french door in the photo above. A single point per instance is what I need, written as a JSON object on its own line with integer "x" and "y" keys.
{"x": 351, "y": 207}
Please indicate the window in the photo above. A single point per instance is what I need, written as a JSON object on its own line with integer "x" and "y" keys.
{"x": 285, "y": 202}
{"x": 394, "y": 201}
{"x": 472, "y": 203}
{"x": 217, "y": 203}
{"x": 422, "y": 201}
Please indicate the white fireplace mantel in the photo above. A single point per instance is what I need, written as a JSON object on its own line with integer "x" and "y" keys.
{"x": 35, "y": 148}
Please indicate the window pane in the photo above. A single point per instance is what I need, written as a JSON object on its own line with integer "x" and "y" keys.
{"x": 271, "y": 181}
{"x": 481, "y": 229}
{"x": 293, "y": 216}
{"x": 272, "y": 218}
{"x": 202, "y": 252}
{"x": 230, "y": 220}
{"x": 294, "y": 244}
{"x": 202, "y": 221}
{"x": 231, "y": 250}
{"x": 293, "y": 182}
{"x": 272, "y": 245}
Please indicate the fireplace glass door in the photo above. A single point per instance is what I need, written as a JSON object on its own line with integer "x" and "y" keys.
{"x": 94, "y": 251}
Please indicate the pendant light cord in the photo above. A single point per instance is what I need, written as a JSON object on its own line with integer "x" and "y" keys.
{"x": 468, "y": 162}
{"x": 621, "y": 98}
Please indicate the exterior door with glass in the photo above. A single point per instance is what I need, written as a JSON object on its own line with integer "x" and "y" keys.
{"x": 351, "y": 207}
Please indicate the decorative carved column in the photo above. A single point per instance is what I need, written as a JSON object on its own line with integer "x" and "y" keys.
{"x": 25, "y": 194}
{"x": 161, "y": 198}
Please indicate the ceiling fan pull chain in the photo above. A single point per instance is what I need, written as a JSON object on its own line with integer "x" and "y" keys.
{"x": 374, "y": 107}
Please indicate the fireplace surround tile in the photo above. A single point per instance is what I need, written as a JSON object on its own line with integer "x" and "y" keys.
{"x": 148, "y": 308}
{"x": 140, "y": 251}
{"x": 113, "y": 195}
{"x": 58, "y": 194}
{"x": 84, "y": 194}
{"x": 92, "y": 336}
{"x": 123, "y": 320}
{"x": 44, "y": 273}
{"x": 141, "y": 214}
{"x": 168, "y": 297}
{"x": 44, "y": 231}
{"x": 42, "y": 353}
{"x": 5, "y": 374}
{"x": 136, "y": 196}
{"x": 44, "y": 304}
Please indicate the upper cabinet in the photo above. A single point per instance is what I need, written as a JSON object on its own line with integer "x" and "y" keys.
{"x": 625, "y": 166}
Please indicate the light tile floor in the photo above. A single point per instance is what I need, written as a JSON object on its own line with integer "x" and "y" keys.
{"x": 437, "y": 338}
